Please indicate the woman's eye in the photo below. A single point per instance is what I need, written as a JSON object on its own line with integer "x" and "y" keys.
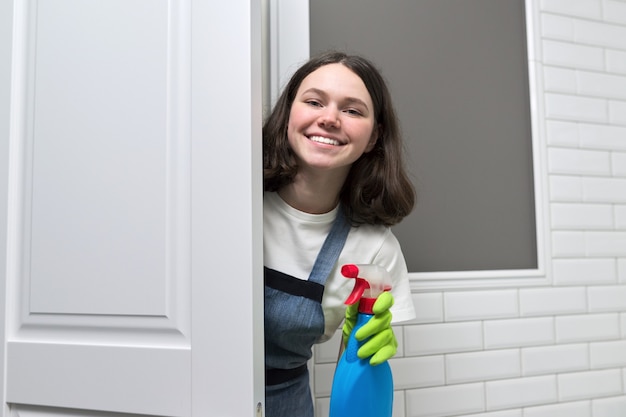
{"x": 314, "y": 103}
{"x": 353, "y": 112}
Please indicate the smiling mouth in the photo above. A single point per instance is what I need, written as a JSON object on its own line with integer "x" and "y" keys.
{"x": 327, "y": 141}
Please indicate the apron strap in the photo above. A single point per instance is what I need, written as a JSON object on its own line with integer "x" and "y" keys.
{"x": 332, "y": 247}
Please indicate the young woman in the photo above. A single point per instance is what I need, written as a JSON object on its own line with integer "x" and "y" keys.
{"x": 334, "y": 182}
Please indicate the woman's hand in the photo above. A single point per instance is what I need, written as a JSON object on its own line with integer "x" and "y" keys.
{"x": 382, "y": 344}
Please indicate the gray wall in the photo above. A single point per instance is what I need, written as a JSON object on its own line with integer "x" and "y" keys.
{"x": 462, "y": 99}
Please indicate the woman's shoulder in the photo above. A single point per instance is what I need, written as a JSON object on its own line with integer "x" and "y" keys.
{"x": 375, "y": 239}
{"x": 377, "y": 231}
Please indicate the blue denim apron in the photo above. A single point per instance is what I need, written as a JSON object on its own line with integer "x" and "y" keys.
{"x": 294, "y": 321}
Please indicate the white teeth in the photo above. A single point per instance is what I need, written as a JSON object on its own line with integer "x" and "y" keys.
{"x": 328, "y": 141}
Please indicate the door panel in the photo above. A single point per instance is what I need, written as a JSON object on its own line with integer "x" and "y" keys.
{"x": 113, "y": 378}
{"x": 100, "y": 210}
{"x": 109, "y": 225}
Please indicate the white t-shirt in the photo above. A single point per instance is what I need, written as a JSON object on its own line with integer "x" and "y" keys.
{"x": 292, "y": 239}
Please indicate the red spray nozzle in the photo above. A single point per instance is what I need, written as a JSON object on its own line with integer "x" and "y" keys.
{"x": 370, "y": 281}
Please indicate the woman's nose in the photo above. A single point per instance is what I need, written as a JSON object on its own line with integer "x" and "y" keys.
{"x": 329, "y": 118}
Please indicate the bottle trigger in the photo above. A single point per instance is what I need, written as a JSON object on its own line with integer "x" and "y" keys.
{"x": 359, "y": 288}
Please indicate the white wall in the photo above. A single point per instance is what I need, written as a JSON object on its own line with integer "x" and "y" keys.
{"x": 560, "y": 350}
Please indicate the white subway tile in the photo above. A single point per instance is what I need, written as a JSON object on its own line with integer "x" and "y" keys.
{"x": 591, "y": 384}
{"x": 398, "y": 405}
{"x": 562, "y": 133}
{"x": 568, "y": 216}
{"x": 579, "y": 162}
{"x": 418, "y": 372}
{"x": 573, "y": 56}
{"x": 553, "y": 301}
{"x": 399, "y": 332}
{"x": 616, "y": 61}
{"x": 586, "y": 328}
{"x": 601, "y": 85}
{"x": 604, "y": 190}
{"x": 582, "y": 8}
{"x": 607, "y": 298}
{"x": 324, "y": 374}
{"x": 428, "y": 308}
{"x": 322, "y": 406}
{"x": 555, "y": 359}
{"x": 602, "y": 136}
{"x": 518, "y": 332}
{"x": 557, "y": 27}
{"x": 618, "y": 163}
{"x": 428, "y": 339}
{"x": 570, "y": 107}
{"x": 621, "y": 270}
{"x": 560, "y": 80}
{"x": 606, "y": 243}
{"x": 623, "y": 330}
{"x": 620, "y": 216}
{"x": 600, "y": 34}
{"x": 328, "y": 351}
{"x": 568, "y": 244}
{"x": 614, "y": 11}
{"x": 584, "y": 271}
{"x": 571, "y": 409}
{"x": 566, "y": 188}
{"x": 521, "y": 392}
{"x": 480, "y": 305}
{"x": 617, "y": 112}
{"x": 482, "y": 366}
{"x": 503, "y": 413}
{"x": 445, "y": 401}
{"x": 608, "y": 354}
{"x": 609, "y": 407}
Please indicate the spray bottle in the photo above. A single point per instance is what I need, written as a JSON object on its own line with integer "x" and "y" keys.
{"x": 360, "y": 389}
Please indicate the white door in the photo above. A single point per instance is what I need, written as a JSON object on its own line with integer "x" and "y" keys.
{"x": 130, "y": 195}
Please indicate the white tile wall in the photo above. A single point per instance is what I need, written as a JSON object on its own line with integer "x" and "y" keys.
{"x": 587, "y": 327}
{"x": 566, "y": 188}
{"x": 519, "y": 332}
{"x": 449, "y": 400}
{"x": 474, "y": 305}
{"x": 568, "y": 244}
{"x": 507, "y": 413}
{"x": 583, "y": 8}
{"x": 574, "y": 409}
{"x": 521, "y": 392}
{"x": 609, "y": 407}
{"x": 556, "y": 350}
{"x": 555, "y": 359}
{"x": 617, "y": 112}
{"x": 553, "y": 301}
{"x": 592, "y": 384}
{"x": 582, "y": 271}
{"x": 602, "y": 137}
{"x": 482, "y": 366}
{"x": 608, "y": 354}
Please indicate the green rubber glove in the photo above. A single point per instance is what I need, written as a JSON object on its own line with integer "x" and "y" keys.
{"x": 352, "y": 311}
{"x": 383, "y": 344}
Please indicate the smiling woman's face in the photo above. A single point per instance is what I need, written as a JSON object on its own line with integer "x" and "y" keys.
{"x": 331, "y": 123}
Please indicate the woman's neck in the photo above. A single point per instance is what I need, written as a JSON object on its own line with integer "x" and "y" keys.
{"x": 315, "y": 195}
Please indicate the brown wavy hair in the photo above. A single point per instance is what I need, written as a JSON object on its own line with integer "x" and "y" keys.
{"x": 377, "y": 189}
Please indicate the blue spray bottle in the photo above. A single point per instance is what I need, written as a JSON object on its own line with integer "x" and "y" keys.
{"x": 360, "y": 389}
